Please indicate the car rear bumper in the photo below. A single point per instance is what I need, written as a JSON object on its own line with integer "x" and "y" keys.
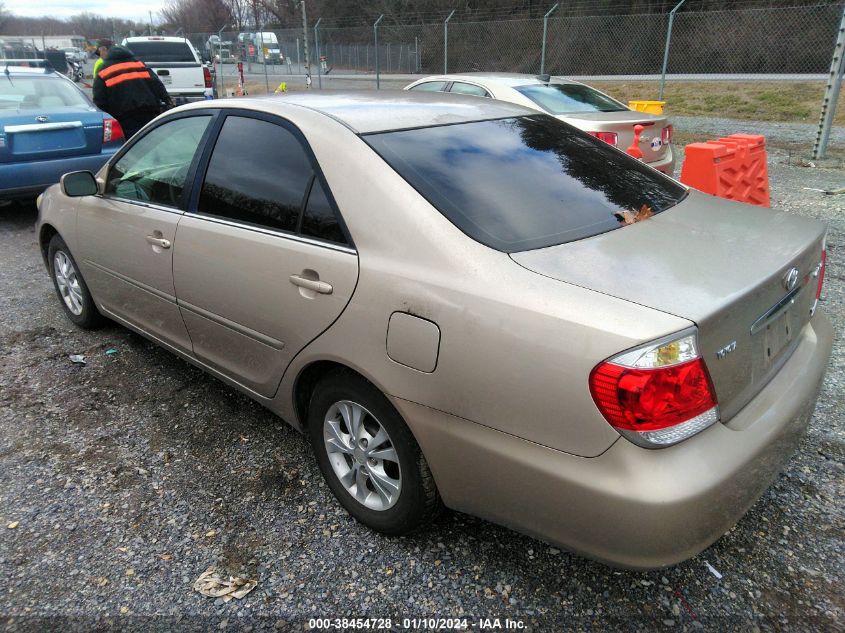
{"x": 665, "y": 164}
{"x": 631, "y": 507}
{"x": 27, "y": 180}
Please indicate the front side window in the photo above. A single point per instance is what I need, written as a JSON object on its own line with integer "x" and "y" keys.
{"x": 527, "y": 182}
{"x": 468, "y": 89}
{"x": 430, "y": 86}
{"x": 154, "y": 169}
{"x": 570, "y": 98}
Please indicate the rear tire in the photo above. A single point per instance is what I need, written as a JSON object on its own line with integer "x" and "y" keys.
{"x": 368, "y": 456}
{"x": 71, "y": 289}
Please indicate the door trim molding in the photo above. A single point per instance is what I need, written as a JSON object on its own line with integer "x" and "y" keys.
{"x": 231, "y": 325}
{"x": 133, "y": 282}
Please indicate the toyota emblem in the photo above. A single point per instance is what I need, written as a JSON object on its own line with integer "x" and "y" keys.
{"x": 790, "y": 279}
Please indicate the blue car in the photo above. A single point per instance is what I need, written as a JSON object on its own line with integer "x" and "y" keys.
{"x": 48, "y": 127}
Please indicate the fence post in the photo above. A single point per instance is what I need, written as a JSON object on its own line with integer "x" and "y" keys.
{"x": 264, "y": 57}
{"x": 221, "y": 87}
{"x": 317, "y": 53}
{"x": 666, "y": 50}
{"x": 545, "y": 33}
{"x": 305, "y": 47}
{"x": 446, "y": 43}
{"x": 375, "y": 36}
{"x": 831, "y": 93}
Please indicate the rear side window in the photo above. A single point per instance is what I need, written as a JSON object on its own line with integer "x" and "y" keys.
{"x": 319, "y": 219}
{"x": 570, "y": 98}
{"x": 430, "y": 86}
{"x": 468, "y": 89}
{"x": 161, "y": 51}
{"x": 259, "y": 174}
{"x": 524, "y": 183}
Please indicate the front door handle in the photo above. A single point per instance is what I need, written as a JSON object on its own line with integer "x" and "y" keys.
{"x": 158, "y": 241}
{"x": 311, "y": 284}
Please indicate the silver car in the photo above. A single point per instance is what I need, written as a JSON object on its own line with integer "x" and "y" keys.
{"x": 463, "y": 303}
{"x": 576, "y": 103}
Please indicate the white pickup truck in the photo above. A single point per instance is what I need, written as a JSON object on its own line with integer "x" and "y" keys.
{"x": 176, "y": 63}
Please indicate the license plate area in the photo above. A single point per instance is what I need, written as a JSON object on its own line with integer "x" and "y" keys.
{"x": 777, "y": 335}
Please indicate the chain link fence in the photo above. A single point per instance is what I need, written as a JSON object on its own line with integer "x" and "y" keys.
{"x": 794, "y": 40}
{"x": 749, "y": 43}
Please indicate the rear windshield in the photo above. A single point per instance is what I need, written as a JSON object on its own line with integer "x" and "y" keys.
{"x": 27, "y": 93}
{"x": 570, "y": 98}
{"x": 160, "y": 51}
{"x": 523, "y": 183}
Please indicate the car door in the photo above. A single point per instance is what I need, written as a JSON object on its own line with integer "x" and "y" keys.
{"x": 126, "y": 235}
{"x": 264, "y": 263}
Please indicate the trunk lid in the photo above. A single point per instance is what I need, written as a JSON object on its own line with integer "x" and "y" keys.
{"x": 717, "y": 263}
{"x": 55, "y": 133}
{"x": 622, "y": 124}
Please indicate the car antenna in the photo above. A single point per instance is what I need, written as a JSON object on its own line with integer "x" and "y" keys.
{"x": 545, "y": 78}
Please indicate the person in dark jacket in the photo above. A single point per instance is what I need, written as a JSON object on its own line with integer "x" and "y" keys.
{"x": 129, "y": 91}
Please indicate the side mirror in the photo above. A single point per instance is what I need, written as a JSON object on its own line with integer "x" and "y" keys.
{"x": 79, "y": 183}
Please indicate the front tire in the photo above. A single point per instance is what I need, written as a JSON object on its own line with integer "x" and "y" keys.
{"x": 73, "y": 293}
{"x": 368, "y": 456}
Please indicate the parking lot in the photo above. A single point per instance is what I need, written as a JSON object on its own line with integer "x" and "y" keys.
{"x": 123, "y": 479}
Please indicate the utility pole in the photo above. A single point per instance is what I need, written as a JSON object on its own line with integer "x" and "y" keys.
{"x": 305, "y": 45}
{"x": 151, "y": 22}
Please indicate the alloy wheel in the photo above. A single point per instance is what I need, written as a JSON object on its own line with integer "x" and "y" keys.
{"x": 362, "y": 455}
{"x": 67, "y": 281}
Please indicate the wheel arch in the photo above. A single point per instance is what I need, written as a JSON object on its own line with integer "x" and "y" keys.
{"x": 47, "y": 232}
{"x": 313, "y": 373}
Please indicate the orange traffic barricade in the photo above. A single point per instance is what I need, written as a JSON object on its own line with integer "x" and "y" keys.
{"x": 733, "y": 167}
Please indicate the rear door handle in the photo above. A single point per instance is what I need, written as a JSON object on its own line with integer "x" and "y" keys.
{"x": 310, "y": 284}
{"x": 158, "y": 241}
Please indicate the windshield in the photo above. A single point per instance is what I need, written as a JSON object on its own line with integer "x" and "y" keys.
{"x": 161, "y": 51}
{"x": 22, "y": 93}
{"x": 523, "y": 183}
{"x": 569, "y": 98}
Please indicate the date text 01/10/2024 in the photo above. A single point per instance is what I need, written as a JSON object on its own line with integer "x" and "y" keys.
{"x": 417, "y": 624}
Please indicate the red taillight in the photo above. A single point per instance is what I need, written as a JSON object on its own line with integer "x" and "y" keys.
{"x": 657, "y": 394}
{"x": 607, "y": 137}
{"x": 112, "y": 132}
{"x": 821, "y": 275}
{"x": 651, "y": 399}
{"x": 207, "y": 74}
{"x": 666, "y": 135}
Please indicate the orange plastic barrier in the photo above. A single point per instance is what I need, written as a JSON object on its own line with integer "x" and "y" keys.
{"x": 733, "y": 167}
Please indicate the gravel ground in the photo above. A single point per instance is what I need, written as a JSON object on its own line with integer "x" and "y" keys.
{"x": 122, "y": 480}
{"x": 783, "y": 134}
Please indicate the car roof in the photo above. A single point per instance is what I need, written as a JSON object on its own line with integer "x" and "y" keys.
{"x": 502, "y": 79}
{"x": 368, "y": 111}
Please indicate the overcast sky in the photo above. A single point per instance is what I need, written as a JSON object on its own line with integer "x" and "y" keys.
{"x": 64, "y": 8}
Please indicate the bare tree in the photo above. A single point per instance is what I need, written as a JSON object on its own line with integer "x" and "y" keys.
{"x": 196, "y": 16}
